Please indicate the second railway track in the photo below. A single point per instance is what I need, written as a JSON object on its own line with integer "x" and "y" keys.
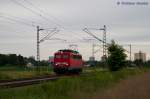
{"x": 30, "y": 81}
{"x": 27, "y": 81}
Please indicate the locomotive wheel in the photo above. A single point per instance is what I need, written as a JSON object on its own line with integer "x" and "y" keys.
{"x": 60, "y": 71}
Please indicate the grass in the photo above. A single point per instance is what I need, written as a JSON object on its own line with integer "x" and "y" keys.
{"x": 70, "y": 87}
{"x": 15, "y": 72}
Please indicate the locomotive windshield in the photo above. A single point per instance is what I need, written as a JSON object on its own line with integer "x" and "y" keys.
{"x": 65, "y": 56}
{"x": 61, "y": 56}
{"x": 58, "y": 56}
{"x": 77, "y": 57}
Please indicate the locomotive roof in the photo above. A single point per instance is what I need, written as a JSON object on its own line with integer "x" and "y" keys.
{"x": 68, "y": 50}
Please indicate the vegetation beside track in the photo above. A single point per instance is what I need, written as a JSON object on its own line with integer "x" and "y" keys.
{"x": 16, "y": 72}
{"x": 80, "y": 87}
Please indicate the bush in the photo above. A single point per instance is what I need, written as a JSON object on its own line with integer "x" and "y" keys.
{"x": 117, "y": 57}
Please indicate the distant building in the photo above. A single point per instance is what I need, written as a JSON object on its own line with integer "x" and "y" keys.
{"x": 103, "y": 58}
{"x": 140, "y": 55}
{"x": 91, "y": 58}
{"x": 29, "y": 65}
{"x": 91, "y": 61}
{"x": 51, "y": 60}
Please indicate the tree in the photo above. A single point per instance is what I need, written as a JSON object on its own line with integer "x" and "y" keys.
{"x": 3, "y": 59}
{"x": 44, "y": 63}
{"x": 21, "y": 60}
{"x": 147, "y": 63}
{"x": 31, "y": 60}
{"x": 116, "y": 56}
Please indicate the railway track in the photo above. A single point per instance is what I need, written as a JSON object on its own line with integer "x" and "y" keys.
{"x": 27, "y": 81}
{"x": 35, "y": 80}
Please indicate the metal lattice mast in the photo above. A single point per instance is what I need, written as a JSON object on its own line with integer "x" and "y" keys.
{"x": 130, "y": 52}
{"x": 73, "y": 47}
{"x": 101, "y": 40}
{"x": 104, "y": 42}
{"x": 47, "y": 37}
{"x": 93, "y": 50}
{"x": 38, "y": 49}
{"x": 38, "y": 45}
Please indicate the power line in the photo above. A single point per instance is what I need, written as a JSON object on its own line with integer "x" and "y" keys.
{"x": 22, "y": 20}
{"x": 40, "y": 10}
{"x": 18, "y": 21}
{"x": 16, "y": 2}
{"x": 37, "y": 13}
{"x": 34, "y": 12}
{"x": 58, "y": 20}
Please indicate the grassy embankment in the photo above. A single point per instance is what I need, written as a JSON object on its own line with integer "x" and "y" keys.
{"x": 15, "y": 72}
{"x": 77, "y": 87}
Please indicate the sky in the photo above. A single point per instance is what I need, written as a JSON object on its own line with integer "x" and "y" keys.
{"x": 126, "y": 24}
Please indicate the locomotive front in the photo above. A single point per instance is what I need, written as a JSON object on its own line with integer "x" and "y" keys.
{"x": 67, "y": 61}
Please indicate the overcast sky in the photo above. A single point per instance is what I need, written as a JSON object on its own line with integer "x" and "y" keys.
{"x": 127, "y": 24}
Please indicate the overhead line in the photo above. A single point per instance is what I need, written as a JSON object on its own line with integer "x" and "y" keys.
{"x": 30, "y": 3}
{"x": 27, "y": 24}
{"x": 26, "y": 21}
{"x": 35, "y": 12}
{"x": 49, "y": 35}
{"x": 58, "y": 20}
{"x": 87, "y": 31}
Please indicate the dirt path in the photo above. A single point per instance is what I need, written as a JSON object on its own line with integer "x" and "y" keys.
{"x": 133, "y": 88}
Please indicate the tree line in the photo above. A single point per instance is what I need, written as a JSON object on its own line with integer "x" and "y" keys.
{"x": 117, "y": 58}
{"x": 19, "y": 60}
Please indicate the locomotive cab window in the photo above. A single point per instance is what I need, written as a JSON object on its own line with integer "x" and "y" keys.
{"x": 65, "y": 56}
{"x": 58, "y": 56}
{"x": 77, "y": 57}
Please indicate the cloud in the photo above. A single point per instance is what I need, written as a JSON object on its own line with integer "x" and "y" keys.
{"x": 126, "y": 24}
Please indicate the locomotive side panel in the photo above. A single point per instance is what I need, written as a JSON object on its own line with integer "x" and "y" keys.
{"x": 76, "y": 61}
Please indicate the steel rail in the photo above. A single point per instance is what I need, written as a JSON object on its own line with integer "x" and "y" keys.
{"x": 24, "y": 82}
{"x": 35, "y": 80}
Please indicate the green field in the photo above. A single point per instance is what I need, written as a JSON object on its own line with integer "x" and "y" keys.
{"x": 77, "y": 87}
{"x": 15, "y": 72}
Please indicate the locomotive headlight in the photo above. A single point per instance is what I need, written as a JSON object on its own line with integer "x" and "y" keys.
{"x": 65, "y": 63}
{"x": 56, "y": 63}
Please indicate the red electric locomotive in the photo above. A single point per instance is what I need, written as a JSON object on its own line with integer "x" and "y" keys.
{"x": 67, "y": 61}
